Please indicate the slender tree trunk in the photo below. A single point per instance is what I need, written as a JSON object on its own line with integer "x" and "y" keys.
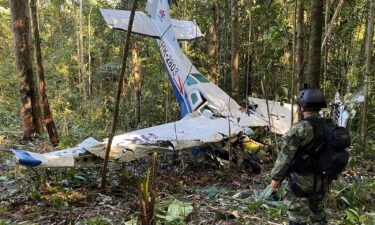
{"x": 316, "y": 29}
{"x": 293, "y": 62}
{"x": 364, "y": 40}
{"x": 339, "y": 75}
{"x": 235, "y": 43}
{"x": 249, "y": 56}
{"x": 118, "y": 94}
{"x": 22, "y": 48}
{"x": 137, "y": 83}
{"x": 214, "y": 45}
{"x": 48, "y": 119}
{"x": 224, "y": 48}
{"x": 331, "y": 24}
{"x": 82, "y": 84}
{"x": 300, "y": 46}
{"x": 369, "y": 47}
{"x": 78, "y": 57}
{"x": 89, "y": 51}
{"x": 325, "y": 66}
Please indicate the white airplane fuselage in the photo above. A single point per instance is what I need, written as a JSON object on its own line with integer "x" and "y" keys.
{"x": 192, "y": 89}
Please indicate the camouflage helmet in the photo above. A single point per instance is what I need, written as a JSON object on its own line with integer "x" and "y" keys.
{"x": 311, "y": 99}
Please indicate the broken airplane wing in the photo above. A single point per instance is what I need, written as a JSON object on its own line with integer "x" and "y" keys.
{"x": 192, "y": 131}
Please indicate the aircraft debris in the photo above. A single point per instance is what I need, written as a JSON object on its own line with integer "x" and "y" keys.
{"x": 210, "y": 117}
{"x": 343, "y": 109}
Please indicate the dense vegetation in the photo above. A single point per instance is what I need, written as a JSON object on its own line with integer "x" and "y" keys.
{"x": 267, "y": 70}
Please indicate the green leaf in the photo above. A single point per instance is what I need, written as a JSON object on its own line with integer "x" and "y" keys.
{"x": 178, "y": 210}
{"x": 352, "y": 215}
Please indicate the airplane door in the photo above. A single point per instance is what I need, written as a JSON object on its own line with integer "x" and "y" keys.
{"x": 195, "y": 99}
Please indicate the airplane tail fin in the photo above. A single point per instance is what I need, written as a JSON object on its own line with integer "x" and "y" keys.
{"x": 159, "y": 8}
{"x": 184, "y": 30}
{"x": 160, "y": 13}
{"x": 155, "y": 27}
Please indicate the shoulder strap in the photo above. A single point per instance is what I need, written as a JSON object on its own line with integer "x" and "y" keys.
{"x": 318, "y": 125}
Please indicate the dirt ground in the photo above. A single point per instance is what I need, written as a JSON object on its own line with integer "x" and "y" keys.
{"x": 71, "y": 196}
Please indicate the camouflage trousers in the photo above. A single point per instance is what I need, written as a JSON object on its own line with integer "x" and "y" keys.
{"x": 301, "y": 210}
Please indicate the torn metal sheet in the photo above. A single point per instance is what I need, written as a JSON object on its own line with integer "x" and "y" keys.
{"x": 277, "y": 116}
{"x": 251, "y": 119}
{"x": 343, "y": 109}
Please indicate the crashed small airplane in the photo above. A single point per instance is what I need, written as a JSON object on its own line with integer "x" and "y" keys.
{"x": 210, "y": 117}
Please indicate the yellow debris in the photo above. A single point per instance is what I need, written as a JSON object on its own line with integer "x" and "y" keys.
{"x": 251, "y": 146}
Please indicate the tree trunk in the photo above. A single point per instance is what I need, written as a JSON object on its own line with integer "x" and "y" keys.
{"x": 89, "y": 51}
{"x": 249, "y": 56}
{"x": 300, "y": 46}
{"x": 235, "y": 42}
{"x": 369, "y": 46}
{"x": 48, "y": 119}
{"x": 224, "y": 49}
{"x": 22, "y": 48}
{"x": 118, "y": 94}
{"x": 82, "y": 84}
{"x": 331, "y": 24}
{"x": 325, "y": 64}
{"x": 214, "y": 45}
{"x": 316, "y": 29}
{"x": 137, "y": 83}
{"x": 293, "y": 62}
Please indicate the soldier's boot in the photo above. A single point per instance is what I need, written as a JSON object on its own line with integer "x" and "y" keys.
{"x": 296, "y": 223}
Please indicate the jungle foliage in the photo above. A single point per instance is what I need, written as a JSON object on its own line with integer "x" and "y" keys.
{"x": 266, "y": 62}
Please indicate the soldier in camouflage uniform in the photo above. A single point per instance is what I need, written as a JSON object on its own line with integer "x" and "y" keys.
{"x": 303, "y": 205}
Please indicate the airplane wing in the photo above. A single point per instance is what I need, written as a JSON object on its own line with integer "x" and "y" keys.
{"x": 119, "y": 19}
{"x": 71, "y": 157}
{"x": 143, "y": 25}
{"x": 186, "y": 30}
{"x": 194, "y": 130}
{"x": 279, "y": 115}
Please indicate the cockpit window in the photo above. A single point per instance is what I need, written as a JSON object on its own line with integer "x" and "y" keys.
{"x": 200, "y": 77}
{"x": 191, "y": 81}
{"x": 194, "y": 98}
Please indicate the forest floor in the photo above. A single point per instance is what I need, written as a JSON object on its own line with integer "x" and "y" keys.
{"x": 216, "y": 195}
